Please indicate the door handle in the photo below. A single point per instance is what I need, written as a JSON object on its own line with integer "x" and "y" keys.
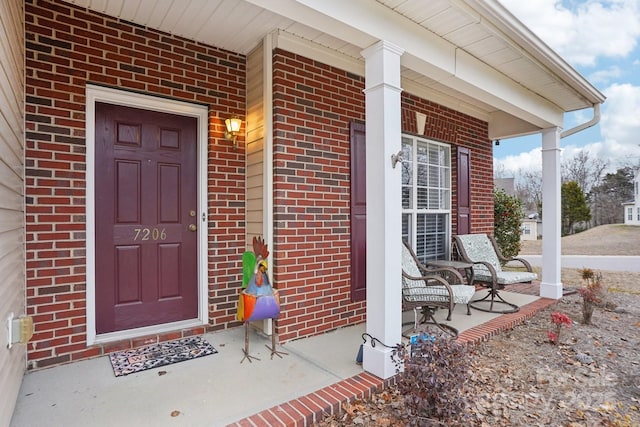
{"x": 193, "y": 227}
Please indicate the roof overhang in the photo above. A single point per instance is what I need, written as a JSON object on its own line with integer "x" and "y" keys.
{"x": 470, "y": 55}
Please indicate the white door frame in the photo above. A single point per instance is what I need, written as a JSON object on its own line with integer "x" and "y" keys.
{"x": 113, "y": 96}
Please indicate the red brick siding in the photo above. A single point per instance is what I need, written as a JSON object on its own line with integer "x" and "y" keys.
{"x": 313, "y": 105}
{"x": 66, "y": 48}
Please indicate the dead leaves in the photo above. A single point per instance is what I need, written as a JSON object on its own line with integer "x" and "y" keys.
{"x": 352, "y": 409}
{"x": 376, "y": 411}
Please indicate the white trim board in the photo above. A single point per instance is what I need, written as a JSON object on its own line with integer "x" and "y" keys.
{"x": 113, "y": 96}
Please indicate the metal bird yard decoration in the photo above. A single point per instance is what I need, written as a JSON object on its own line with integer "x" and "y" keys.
{"x": 258, "y": 299}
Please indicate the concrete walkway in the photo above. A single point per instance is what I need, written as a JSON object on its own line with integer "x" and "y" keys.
{"x": 316, "y": 376}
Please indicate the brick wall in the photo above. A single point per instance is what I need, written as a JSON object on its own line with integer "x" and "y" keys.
{"x": 313, "y": 105}
{"x": 66, "y": 47}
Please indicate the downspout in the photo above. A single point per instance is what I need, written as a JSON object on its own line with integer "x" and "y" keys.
{"x": 583, "y": 126}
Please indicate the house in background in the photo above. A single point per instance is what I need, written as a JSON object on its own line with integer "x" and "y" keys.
{"x": 531, "y": 227}
{"x": 632, "y": 207}
{"x": 125, "y": 210}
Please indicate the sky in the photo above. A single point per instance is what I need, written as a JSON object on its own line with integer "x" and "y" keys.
{"x": 601, "y": 40}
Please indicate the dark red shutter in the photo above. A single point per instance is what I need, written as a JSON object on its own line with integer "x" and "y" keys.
{"x": 463, "y": 191}
{"x": 358, "y": 212}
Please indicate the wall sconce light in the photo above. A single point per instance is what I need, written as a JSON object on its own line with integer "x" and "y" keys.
{"x": 233, "y": 127}
{"x": 497, "y": 142}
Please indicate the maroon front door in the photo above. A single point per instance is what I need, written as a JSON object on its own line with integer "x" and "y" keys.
{"x": 146, "y": 215}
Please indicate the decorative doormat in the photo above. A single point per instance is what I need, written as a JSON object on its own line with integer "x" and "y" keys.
{"x": 140, "y": 359}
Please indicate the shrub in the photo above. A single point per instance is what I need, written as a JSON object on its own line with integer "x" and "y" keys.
{"x": 507, "y": 217}
{"x": 592, "y": 294}
{"x": 558, "y": 319}
{"x": 433, "y": 382}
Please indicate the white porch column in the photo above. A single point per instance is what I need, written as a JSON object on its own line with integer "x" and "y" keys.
{"x": 551, "y": 284}
{"x": 384, "y": 270}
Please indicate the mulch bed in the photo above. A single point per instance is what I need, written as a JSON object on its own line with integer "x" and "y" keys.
{"x": 591, "y": 377}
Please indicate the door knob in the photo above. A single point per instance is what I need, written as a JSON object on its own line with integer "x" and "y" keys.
{"x": 193, "y": 227}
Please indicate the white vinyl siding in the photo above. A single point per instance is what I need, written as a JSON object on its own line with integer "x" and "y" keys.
{"x": 12, "y": 261}
{"x": 255, "y": 143}
{"x": 426, "y": 197}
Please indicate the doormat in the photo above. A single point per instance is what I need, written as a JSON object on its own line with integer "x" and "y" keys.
{"x": 140, "y": 359}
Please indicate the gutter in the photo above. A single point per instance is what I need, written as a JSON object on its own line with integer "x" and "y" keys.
{"x": 583, "y": 126}
{"x": 493, "y": 12}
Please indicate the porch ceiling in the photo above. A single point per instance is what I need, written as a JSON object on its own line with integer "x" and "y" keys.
{"x": 471, "y": 55}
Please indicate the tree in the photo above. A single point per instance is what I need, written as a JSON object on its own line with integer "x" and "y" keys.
{"x": 574, "y": 207}
{"x": 587, "y": 171}
{"x": 615, "y": 189}
{"x": 529, "y": 190}
{"x": 507, "y": 216}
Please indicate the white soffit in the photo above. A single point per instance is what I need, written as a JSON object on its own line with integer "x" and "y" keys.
{"x": 452, "y": 46}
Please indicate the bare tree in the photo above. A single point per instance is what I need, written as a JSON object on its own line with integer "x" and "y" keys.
{"x": 529, "y": 189}
{"x": 588, "y": 171}
{"x": 584, "y": 169}
{"x": 632, "y": 163}
{"x": 499, "y": 171}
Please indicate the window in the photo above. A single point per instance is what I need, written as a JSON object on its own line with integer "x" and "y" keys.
{"x": 629, "y": 214}
{"x": 426, "y": 197}
{"x": 638, "y": 214}
{"x": 526, "y": 229}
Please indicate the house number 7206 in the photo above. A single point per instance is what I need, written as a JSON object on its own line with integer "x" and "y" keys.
{"x": 150, "y": 233}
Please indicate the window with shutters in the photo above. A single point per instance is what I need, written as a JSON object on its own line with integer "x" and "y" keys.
{"x": 426, "y": 197}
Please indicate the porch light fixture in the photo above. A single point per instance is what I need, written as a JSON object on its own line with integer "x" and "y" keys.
{"x": 233, "y": 127}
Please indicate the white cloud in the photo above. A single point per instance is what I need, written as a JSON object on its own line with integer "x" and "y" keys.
{"x": 585, "y": 31}
{"x": 620, "y": 124}
{"x": 605, "y": 75}
{"x": 527, "y": 161}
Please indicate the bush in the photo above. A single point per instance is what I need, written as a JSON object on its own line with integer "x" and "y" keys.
{"x": 433, "y": 382}
{"x": 507, "y": 216}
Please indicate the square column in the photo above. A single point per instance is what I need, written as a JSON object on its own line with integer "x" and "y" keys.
{"x": 384, "y": 208}
{"x": 551, "y": 284}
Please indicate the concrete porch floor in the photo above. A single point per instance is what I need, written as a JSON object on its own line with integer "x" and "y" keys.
{"x": 316, "y": 376}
